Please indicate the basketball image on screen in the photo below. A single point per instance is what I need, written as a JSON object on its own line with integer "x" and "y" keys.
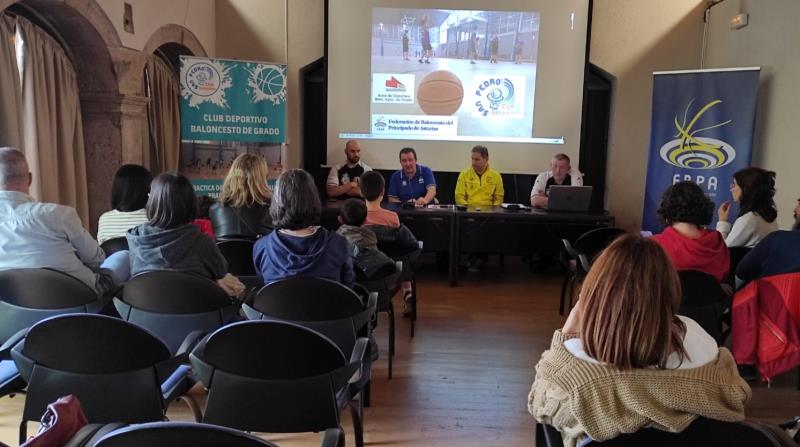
{"x": 439, "y": 73}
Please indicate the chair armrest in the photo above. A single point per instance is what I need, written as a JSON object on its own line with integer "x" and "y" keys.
{"x": 583, "y": 262}
{"x": 5, "y": 349}
{"x": 358, "y": 356}
{"x": 331, "y": 437}
{"x": 192, "y": 338}
{"x": 372, "y": 302}
{"x": 569, "y": 249}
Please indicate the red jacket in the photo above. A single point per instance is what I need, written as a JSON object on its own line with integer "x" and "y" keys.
{"x": 765, "y": 324}
{"x": 707, "y": 254}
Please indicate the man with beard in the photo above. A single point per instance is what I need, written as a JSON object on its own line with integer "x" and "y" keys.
{"x": 343, "y": 179}
{"x": 778, "y": 252}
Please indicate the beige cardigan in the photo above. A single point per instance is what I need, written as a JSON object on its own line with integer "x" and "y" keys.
{"x": 582, "y": 398}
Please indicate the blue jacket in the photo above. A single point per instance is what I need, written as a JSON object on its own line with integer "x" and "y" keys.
{"x": 323, "y": 255}
{"x": 778, "y": 252}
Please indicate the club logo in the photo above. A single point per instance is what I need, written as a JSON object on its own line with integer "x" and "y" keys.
{"x": 380, "y": 123}
{"x": 690, "y": 151}
{"x": 206, "y": 81}
{"x": 499, "y": 96}
{"x": 393, "y": 85}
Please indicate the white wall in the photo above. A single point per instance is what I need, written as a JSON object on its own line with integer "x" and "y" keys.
{"x": 150, "y": 15}
{"x": 262, "y": 30}
{"x": 770, "y": 41}
{"x": 630, "y": 40}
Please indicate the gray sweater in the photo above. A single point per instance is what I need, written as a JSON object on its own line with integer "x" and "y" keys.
{"x": 183, "y": 249}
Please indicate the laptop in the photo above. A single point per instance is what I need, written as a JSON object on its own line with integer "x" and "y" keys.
{"x": 569, "y": 198}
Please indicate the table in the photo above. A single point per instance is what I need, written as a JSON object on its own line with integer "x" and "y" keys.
{"x": 487, "y": 229}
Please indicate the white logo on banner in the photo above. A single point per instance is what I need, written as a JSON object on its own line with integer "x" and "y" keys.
{"x": 267, "y": 83}
{"x": 205, "y": 81}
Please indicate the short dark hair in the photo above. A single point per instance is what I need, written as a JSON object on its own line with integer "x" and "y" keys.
{"x": 481, "y": 150}
{"x": 372, "y": 185}
{"x": 172, "y": 201}
{"x": 130, "y": 188}
{"x": 353, "y": 212}
{"x": 408, "y": 150}
{"x": 295, "y": 201}
{"x": 758, "y": 192}
{"x": 685, "y": 202}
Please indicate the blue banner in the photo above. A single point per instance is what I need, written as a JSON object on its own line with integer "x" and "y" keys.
{"x": 702, "y": 131}
{"x": 227, "y": 100}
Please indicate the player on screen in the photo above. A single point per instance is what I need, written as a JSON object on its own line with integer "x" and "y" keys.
{"x": 494, "y": 44}
{"x": 405, "y": 45}
{"x": 425, "y": 41}
{"x": 473, "y": 45}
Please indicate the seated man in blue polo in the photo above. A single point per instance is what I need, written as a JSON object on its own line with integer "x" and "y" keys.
{"x": 413, "y": 183}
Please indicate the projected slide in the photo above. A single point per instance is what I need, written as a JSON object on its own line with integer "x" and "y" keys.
{"x": 440, "y": 74}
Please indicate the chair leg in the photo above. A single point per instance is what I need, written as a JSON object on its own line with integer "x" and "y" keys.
{"x": 571, "y": 291}
{"x": 357, "y": 414}
{"x": 23, "y": 431}
{"x": 341, "y": 437}
{"x": 413, "y": 304}
{"x": 564, "y": 292}
{"x": 366, "y": 394}
{"x": 195, "y": 409}
{"x": 391, "y": 336}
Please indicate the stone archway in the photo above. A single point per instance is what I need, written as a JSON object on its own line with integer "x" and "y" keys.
{"x": 111, "y": 107}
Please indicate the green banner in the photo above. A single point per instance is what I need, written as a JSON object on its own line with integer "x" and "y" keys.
{"x": 227, "y": 100}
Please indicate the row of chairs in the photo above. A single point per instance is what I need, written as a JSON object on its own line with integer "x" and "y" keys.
{"x": 179, "y": 309}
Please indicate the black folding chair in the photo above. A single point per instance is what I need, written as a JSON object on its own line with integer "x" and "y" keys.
{"x": 705, "y": 302}
{"x": 180, "y": 308}
{"x": 28, "y": 296}
{"x": 119, "y": 371}
{"x": 325, "y": 306}
{"x": 589, "y": 244}
{"x": 736, "y": 256}
{"x": 113, "y": 245}
{"x": 277, "y": 377}
{"x": 183, "y": 434}
{"x": 700, "y": 433}
{"x": 239, "y": 254}
{"x": 385, "y": 287}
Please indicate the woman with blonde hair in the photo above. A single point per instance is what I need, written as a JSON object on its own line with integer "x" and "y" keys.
{"x": 625, "y": 360}
{"x": 242, "y": 211}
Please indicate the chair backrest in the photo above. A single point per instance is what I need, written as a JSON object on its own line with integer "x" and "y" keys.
{"x": 736, "y": 256}
{"x": 109, "y": 364}
{"x": 172, "y": 305}
{"x": 239, "y": 254}
{"x": 704, "y": 301}
{"x": 115, "y": 244}
{"x": 179, "y": 434}
{"x": 31, "y": 295}
{"x": 594, "y": 241}
{"x": 701, "y": 432}
{"x": 271, "y": 376}
{"x": 326, "y": 306}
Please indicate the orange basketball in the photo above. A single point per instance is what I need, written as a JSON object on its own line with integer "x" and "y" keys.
{"x": 440, "y": 93}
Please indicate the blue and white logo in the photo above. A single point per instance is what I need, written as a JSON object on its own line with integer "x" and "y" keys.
{"x": 499, "y": 96}
{"x": 205, "y": 80}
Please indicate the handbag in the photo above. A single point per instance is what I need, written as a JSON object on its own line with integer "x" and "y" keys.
{"x": 59, "y": 423}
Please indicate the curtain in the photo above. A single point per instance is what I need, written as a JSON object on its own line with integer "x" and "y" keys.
{"x": 163, "y": 116}
{"x": 53, "y": 129}
{"x": 10, "y": 97}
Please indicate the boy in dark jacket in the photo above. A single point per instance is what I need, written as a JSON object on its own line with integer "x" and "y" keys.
{"x": 363, "y": 242}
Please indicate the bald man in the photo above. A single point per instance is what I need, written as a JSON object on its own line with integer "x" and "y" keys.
{"x": 47, "y": 235}
{"x": 343, "y": 179}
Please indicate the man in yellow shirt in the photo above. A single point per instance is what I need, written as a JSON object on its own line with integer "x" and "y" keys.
{"x": 479, "y": 185}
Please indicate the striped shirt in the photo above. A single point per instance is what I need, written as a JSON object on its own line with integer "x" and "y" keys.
{"x": 116, "y": 223}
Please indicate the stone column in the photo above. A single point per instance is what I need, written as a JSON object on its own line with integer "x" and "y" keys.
{"x": 114, "y": 132}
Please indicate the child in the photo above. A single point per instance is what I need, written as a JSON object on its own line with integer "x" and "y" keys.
{"x": 386, "y": 226}
{"x": 363, "y": 242}
{"x": 169, "y": 240}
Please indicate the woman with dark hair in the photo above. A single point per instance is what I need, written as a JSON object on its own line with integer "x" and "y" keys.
{"x": 625, "y": 360}
{"x": 686, "y": 211}
{"x": 243, "y": 208}
{"x": 299, "y": 247}
{"x": 129, "y": 191}
{"x": 169, "y": 240}
{"x": 753, "y": 188}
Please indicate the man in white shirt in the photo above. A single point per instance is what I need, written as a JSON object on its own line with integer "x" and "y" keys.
{"x": 343, "y": 179}
{"x": 47, "y": 235}
{"x": 560, "y": 173}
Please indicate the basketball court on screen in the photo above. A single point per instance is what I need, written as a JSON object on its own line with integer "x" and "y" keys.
{"x": 475, "y": 69}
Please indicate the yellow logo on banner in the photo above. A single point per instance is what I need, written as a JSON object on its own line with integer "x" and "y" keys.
{"x": 694, "y": 152}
